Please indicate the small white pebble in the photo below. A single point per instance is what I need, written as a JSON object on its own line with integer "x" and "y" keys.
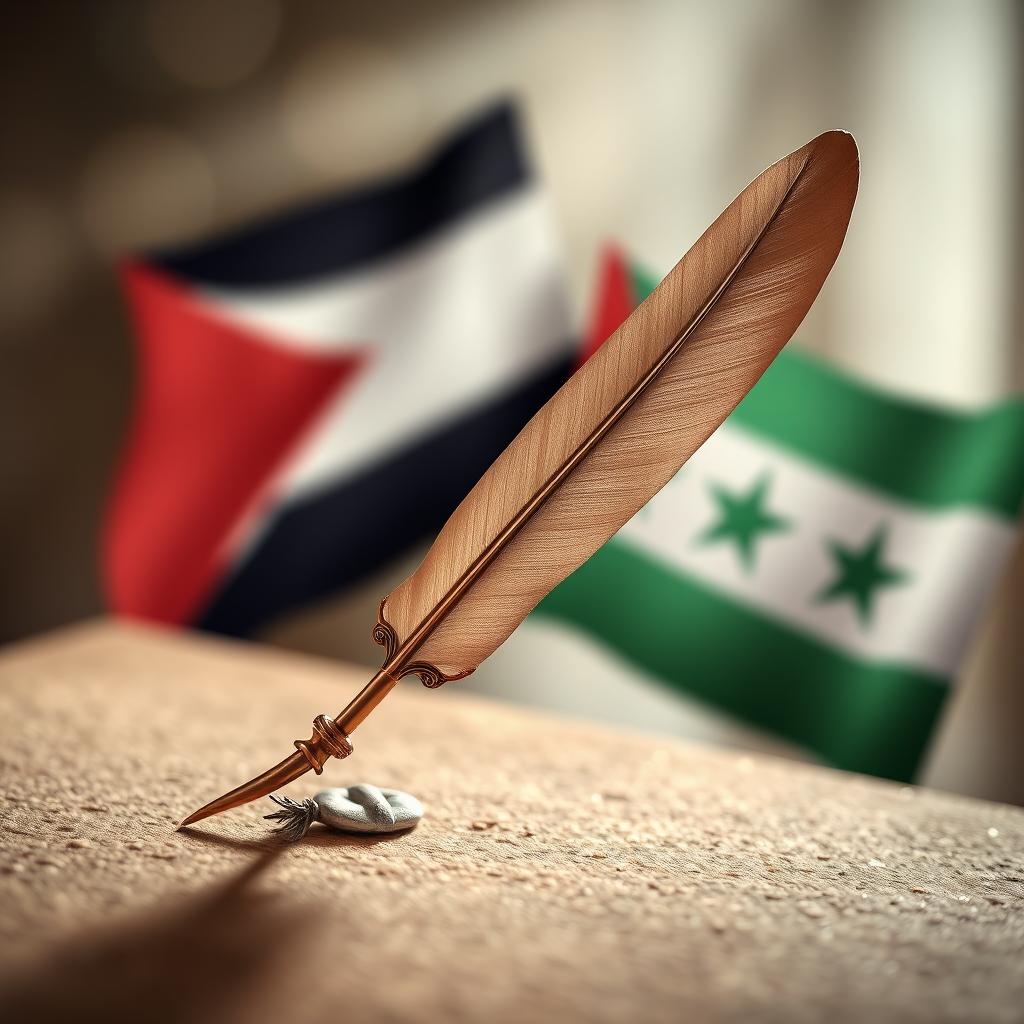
{"x": 993, "y": 833}
{"x": 876, "y": 863}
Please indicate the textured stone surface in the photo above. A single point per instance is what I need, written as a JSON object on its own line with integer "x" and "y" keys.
{"x": 368, "y": 808}
{"x": 562, "y": 872}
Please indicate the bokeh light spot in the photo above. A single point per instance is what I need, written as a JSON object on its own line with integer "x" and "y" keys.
{"x": 146, "y": 186}
{"x": 351, "y": 108}
{"x": 213, "y": 45}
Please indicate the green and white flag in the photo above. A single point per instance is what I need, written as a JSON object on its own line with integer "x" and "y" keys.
{"x": 817, "y": 567}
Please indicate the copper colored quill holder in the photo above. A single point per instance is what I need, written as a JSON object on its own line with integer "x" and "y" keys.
{"x": 614, "y": 434}
{"x": 331, "y": 735}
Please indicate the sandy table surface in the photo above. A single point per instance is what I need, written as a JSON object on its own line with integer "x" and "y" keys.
{"x": 562, "y": 871}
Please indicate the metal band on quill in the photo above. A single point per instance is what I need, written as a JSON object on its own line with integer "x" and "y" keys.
{"x": 327, "y": 737}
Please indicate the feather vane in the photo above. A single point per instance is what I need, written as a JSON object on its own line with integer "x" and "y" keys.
{"x": 626, "y": 421}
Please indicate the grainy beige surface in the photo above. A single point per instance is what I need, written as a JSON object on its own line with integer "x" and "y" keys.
{"x": 562, "y": 872}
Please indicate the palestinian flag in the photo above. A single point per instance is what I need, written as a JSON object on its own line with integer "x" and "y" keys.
{"x": 818, "y": 565}
{"x": 317, "y": 393}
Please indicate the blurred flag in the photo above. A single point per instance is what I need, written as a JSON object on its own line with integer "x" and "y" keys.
{"x": 816, "y": 568}
{"x": 318, "y": 392}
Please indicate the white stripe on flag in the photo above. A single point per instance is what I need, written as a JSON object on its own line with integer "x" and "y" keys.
{"x": 951, "y": 557}
{"x": 447, "y": 325}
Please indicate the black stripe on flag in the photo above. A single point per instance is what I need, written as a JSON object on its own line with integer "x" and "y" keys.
{"x": 344, "y": 533}
{"x": 482, "y": 162}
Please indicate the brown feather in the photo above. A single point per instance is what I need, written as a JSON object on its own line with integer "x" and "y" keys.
{"x": 623, "y": 424}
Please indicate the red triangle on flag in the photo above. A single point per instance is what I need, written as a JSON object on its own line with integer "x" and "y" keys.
{"x": 218, "y": 408}
{"x": 615, "y": 300}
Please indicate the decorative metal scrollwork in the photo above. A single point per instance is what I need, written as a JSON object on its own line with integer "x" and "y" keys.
{"x": 384, "y": 635}
{"x": 431, "y": 676}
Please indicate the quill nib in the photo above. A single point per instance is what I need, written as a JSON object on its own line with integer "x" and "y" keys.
{"x": 329, "y": 739}
{"x": 288, "y": 770}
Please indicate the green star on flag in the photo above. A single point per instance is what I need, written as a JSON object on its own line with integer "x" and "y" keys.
{"x": 860, "y": 574}
{"x": 743, "y": 519}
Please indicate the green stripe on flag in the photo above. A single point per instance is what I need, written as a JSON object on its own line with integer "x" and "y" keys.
{"x": 856, "y": 715}
{"x": 912, "y": 451}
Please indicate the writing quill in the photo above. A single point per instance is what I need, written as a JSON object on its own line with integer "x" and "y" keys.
{"x": 615, "y": 433}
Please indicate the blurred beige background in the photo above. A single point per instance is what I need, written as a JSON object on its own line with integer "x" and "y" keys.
{"x": 141, "y": 122}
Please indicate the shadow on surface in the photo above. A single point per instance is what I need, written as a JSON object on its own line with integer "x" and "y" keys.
{"x": 318, "y": 835}
{"x": 207, "y": 956}
{"x": 268, "y": 844}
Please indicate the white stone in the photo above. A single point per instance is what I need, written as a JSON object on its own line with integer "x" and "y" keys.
{"x": 365, "y": 808}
